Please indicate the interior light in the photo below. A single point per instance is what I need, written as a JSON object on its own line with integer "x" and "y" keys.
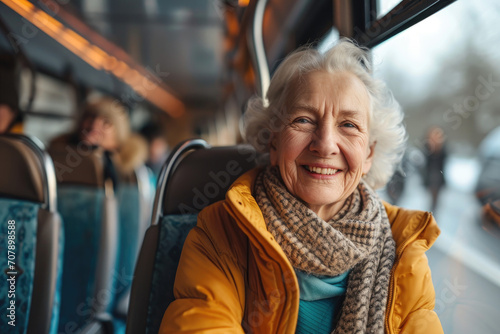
{"x": 139, "y": 79}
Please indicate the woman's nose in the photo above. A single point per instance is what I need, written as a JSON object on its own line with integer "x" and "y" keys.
{"x": 325, "y": 141}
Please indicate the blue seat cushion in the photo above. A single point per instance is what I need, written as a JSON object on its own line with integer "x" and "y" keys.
{"x": 80, "y": 208}
{"x": 23, "y": 255}
{"x": 119, "y": 326}
{"x": 173, "y": 232}
{"x": 128, "y": 239}
{"x": 56, "y": 308}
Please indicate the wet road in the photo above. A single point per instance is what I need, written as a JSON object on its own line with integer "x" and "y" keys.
{"x": 465, "y": 260}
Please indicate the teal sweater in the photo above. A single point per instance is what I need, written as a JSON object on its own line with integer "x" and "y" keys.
{"x": 320, "y": 301}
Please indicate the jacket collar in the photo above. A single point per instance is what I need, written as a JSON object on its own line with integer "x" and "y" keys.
{"x": 410, "y": 225}
{"x": 242, "y": 206}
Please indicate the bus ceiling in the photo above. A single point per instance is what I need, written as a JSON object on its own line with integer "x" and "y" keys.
{"x": 167, "y": 52}
{"x": 57, "y": 42}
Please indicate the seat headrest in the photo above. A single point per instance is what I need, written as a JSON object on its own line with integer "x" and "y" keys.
{"x": 78, "y": 164}
{"x": 22, "y": 173}
{"x": 203, "y": 176}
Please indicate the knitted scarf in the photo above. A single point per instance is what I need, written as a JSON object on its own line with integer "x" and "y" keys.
{"x": 358, "y": 237}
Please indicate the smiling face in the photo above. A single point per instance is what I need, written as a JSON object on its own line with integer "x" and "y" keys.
{"x": 323, "y": 149}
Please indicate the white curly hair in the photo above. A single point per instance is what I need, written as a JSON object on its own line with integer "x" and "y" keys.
{"x": 262, "y": 117}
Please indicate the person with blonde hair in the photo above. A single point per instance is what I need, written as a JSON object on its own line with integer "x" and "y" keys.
{"x": 104, "y": 123}
{"x": 133, "y": 153}
{"x": 305, "y": 244}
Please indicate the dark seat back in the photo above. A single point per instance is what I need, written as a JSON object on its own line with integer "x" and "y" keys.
{"x": 31, "y": 234}
{"x": 135, "y": 198}
{"x": 88, "y": 206}
{"x": 194, "y": 176}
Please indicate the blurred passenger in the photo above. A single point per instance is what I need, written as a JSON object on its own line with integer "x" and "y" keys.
{"x": 132, "y": 154}
{"x": 7, "y": 115}
{"x": 435, "y": 153}
{"x": 158, "y": 146}
{"x": 10, "y": 115}
{"x": 105, "y": 124}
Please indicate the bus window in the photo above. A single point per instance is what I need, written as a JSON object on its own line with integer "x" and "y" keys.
{"x": 444, "y": 72}
{"x": 52, "y": 112}
{"x": 385, "y": 6}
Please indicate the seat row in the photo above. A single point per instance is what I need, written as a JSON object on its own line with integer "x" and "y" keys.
{"x": 92, "y": 250}
{"x": 76, "y": 237}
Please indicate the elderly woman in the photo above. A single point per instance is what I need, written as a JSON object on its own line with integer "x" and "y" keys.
{"x": 305, "y": 245}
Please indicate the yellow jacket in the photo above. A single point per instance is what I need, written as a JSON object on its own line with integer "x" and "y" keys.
{"x": 233, "y": 276}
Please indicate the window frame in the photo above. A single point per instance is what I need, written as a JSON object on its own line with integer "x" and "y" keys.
{"x": 370, "y": 31}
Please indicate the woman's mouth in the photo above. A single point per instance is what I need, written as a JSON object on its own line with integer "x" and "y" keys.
{"x": 320, "y": 170}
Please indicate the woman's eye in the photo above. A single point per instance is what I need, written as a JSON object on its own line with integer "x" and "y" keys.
{"x": 349, "y": 125}
{"x": 301, "y": 120}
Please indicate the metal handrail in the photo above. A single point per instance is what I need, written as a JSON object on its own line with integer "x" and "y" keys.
{"x": 257, "y": 46}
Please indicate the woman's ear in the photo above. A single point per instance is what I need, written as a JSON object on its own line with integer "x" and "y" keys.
{"x": 369, "y": 158}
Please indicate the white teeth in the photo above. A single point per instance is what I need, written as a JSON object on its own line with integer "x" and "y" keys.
{"x": 323, "y": 171}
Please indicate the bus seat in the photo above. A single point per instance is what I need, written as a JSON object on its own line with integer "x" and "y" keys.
{"x": 194, "y": 176}
{"x": 135, "y": 198}
{"x": 147, "y": 188}
{"x": 129, "y": 215}
{"x": 28, "y": 198}
{"x": 89, "y": 209}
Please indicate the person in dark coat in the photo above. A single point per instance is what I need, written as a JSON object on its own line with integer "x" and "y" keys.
{"x": 435, "y": 158}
